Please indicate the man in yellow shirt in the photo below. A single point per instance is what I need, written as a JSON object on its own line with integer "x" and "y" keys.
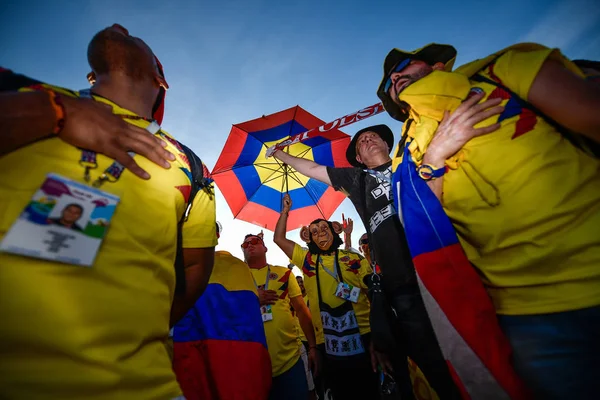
{"x": 278, "y": 291}
{"x": 86, "y": 314}
{"x": 337, "y": 296}
{"x": 524, "y": 200}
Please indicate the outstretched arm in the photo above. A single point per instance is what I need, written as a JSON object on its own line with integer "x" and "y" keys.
{"x": 285, "y": 244}
{"x": 567, "y": 98}
{"x": 304, "y": 166}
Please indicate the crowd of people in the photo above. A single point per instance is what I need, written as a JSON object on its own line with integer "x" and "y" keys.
{"x": 121, "y": 295}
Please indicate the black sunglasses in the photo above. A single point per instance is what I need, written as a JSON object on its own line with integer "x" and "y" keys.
{"x": 364, "y": 241}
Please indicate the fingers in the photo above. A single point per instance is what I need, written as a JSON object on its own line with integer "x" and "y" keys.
{"x": 373, "y": 361}
{"x": 147, "y": 145}
{"x": 486, "y": 130}
{"x": 127, "y": 161}
{"x": 483, "y": 115}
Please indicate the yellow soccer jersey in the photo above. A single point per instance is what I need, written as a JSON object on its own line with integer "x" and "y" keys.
{"x": 72, "y": 332}
{"x": 524, "y": 201}
{"x": 282, "y": 337}
{"x": 354, "y": 270}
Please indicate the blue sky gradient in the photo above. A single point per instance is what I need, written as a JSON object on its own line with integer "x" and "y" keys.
{"x": 231, "y": 61}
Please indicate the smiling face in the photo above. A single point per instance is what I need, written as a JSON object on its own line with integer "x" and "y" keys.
{"x": 321, "y": 235}
{"x": 71, "y": 214}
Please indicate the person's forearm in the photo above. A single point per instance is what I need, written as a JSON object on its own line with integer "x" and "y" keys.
{"x": 26, "y": 117}
{"x": 308, "y": 329}
{"x": 436, "y": 185}
{"x": 196, "y": 280}
{"x": 301, "y": 165}
{"x": 347, "y": 241}
{"x": 280, "y": 228}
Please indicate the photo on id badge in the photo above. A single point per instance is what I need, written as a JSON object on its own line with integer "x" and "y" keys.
{"x": 347, "y": 292}
{"x": 64, "y": 221}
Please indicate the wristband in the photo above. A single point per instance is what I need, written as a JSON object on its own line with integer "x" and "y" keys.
{"x": 59, "y": 111}
{"x": 427, "y": 172}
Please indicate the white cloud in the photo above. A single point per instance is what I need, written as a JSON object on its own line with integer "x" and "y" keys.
{"x": 563, "y": 25}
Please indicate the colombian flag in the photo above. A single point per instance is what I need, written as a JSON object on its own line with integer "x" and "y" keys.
{"x": 461, "y": 312}
{"x": 219, "y": 347}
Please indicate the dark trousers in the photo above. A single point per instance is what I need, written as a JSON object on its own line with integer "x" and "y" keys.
{"x": 416, "y": 339}
{"x": 344, "y": 380}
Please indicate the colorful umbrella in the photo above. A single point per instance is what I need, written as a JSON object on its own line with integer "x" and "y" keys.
{"x": 254, "y": 185}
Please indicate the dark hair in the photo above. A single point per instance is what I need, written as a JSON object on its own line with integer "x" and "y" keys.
{"x": 337, "y": 240}
{"x": 73, "y": 205}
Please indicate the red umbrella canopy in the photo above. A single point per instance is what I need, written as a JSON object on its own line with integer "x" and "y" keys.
{"x": 254, "y": 185}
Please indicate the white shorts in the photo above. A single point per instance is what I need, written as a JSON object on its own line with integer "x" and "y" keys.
{"x": 309, "y": 378}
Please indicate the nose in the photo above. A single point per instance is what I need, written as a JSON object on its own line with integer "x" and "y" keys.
{"x": 121, "y": 29}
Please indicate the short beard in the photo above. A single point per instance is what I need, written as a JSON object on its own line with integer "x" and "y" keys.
{"x": 110, "y": 51}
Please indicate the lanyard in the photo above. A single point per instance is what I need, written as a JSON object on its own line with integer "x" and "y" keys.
{"x": 267, "y": 281}
{"x": 379, "y": 174}
{"x": 385, "y": 178}
{"x": 334, "y": 273}
{"x": 114, "y": 170}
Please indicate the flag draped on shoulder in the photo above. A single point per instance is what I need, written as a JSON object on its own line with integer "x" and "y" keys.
{"x": 219, "y": 347}
{"x": 461, "y": 312}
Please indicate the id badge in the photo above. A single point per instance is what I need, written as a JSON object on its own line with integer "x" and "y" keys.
{"x": 347, "y": 292}
{"x": 266, "y": 312}
{"x": 65, "y": 221}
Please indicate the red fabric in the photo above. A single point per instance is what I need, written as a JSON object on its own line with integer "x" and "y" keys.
{"x": 222, "y": 370}
{"x": 460, "y": 288}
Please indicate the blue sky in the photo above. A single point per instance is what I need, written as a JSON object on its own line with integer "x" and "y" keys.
{"x": 231, "y": 61}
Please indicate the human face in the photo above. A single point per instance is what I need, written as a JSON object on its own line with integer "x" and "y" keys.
{"x": 71, "y": 214}
{"x": 321, "y": 235}
{"x": 253, "y": 246}
{"x": 369, "y": 144}
{"x": 301, "y": 284}
{"x": 363, "y": 243}
{"x": 400, "y": 80}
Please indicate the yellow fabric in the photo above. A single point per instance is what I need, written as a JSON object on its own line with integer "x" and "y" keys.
{"x": 329, "y": 286}
{"x": 72, "y": 332}
{"x": 232, "y": 273}
{"x": 282, "y": 338}
{"x": 524, "y": 201}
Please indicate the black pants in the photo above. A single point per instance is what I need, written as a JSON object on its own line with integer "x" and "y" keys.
{"x": 350, "y": 381}
{"x": 417, "y": 340}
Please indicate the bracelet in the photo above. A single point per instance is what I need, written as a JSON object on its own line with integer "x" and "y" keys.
{"x": 428, "y": 172}
{"x": 59, "y": 111}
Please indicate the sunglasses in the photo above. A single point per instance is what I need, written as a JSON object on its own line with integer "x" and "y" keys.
{"x": 399, "y": 67}
{"x": 364, "y": 241}
{"x": 253, "y": 242}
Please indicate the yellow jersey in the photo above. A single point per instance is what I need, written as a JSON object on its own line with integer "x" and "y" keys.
{"x": 71, "y": 332}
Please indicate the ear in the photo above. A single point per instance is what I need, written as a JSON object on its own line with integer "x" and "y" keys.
{"x": 261, "y": 236}
{"x": 305, "y": 234}
{"x": 358, "y": 158}
{"x": 438, "y": 66}
{"x": 337, "y": 227}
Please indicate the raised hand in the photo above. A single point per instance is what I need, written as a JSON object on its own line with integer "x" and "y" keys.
{"x": 287, "y": 203}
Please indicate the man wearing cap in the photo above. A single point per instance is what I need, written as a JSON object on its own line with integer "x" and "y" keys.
{"x": 368, "y": 187}
{"x": 98, "y": 330}
{"x": 524, "y": 200}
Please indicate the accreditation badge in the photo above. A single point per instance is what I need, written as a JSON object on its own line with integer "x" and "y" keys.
{"x": 65, "y": 221}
